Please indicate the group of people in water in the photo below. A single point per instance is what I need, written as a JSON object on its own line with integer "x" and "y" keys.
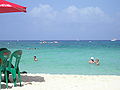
{"x": 92, "y": 61}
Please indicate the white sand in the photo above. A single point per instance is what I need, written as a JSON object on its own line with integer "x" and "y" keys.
{"x": 67, "y": 82}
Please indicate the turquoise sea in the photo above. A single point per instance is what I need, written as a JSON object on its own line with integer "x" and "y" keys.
{"x": 67, "y": 56}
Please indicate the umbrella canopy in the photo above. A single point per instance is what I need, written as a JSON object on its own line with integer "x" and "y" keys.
{"x": 7, "y": 7}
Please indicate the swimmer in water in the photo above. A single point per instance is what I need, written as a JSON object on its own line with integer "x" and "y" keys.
{"x": 91, "y": 60}
{"x": 35, "y": 58}
{"x": 97, "y": 62}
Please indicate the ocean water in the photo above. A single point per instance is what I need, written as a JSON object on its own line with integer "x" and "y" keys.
{"x": 68, "y": 57}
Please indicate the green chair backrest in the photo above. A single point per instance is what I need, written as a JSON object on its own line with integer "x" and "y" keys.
{"x": 4, "y": 55}
{"x": 17, "y": 56}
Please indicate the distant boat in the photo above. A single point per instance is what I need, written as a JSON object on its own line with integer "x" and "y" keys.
{"x": 56, "y": 42}
{"x": 45, "y": 42}
{"x": 114, "y": 39}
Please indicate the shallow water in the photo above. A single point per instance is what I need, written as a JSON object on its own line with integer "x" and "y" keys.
{"x": 68, "y": 57}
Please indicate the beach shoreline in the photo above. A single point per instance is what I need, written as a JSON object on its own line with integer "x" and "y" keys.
{"x": 66, "y": 82}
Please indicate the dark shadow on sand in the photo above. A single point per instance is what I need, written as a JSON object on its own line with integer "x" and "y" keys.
{"x": 26, "y": 79}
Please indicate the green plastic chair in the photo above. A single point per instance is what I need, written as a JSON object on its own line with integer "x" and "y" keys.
{"x": 4, "y": 55}
{"x": 13, "y": 68}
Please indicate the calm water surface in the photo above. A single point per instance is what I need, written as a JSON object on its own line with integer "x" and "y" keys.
{"x": 68, "y": 57}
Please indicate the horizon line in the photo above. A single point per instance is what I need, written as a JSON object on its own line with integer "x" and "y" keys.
{"x": 59, "y": 40}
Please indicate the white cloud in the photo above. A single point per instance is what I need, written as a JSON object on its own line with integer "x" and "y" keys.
{"x": 92, "y": 11}
{"x": 43, "y": 12}
{"x": 70, "y": 14}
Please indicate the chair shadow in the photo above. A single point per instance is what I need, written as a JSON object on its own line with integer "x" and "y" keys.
{"x": 26, "y": 79}
{"x": 3, "y": 86}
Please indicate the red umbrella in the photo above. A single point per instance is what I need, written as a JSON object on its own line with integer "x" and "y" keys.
{"x": 7, "y": 7}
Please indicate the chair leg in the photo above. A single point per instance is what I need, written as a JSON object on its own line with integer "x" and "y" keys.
{"x": 14, "y": 79}
{"x": 0, "y": 79}
{"x": 19, "y": 77}
{"x": 6, "y": 78}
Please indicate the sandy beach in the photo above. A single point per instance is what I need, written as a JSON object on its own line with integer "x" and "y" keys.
{"x": 66, "y": 82}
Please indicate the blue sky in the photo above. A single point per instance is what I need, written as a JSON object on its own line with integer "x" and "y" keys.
{"x": 62, "y": 20}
